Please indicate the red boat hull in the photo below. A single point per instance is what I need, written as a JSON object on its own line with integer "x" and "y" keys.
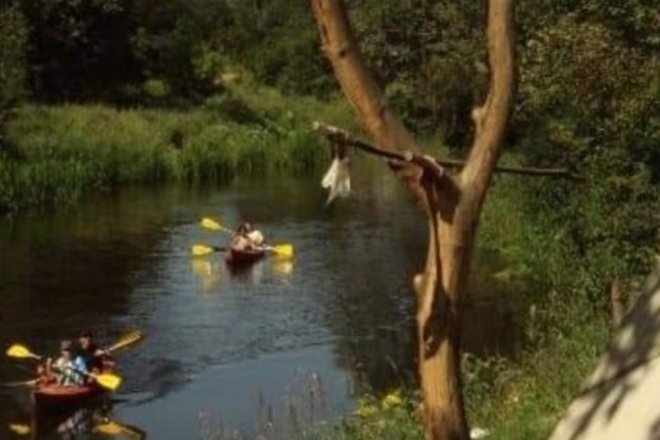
{"x": 63, "y": 398}
{"x": 238, "y": 258}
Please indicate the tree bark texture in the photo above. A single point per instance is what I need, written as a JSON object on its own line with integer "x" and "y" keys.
{"x": 616, "y": 302}
{"x": 452, "y": 202}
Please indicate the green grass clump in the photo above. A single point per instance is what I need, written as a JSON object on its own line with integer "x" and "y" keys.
{"x": 59, "y": 154}
{"x": 524, "y": 398}
{"x": 392, "y": 417}
{"x": 521, "y": 396}
{"x": 512, "y": 399}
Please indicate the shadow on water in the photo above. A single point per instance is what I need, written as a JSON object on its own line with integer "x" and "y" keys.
{"x": 341, "y": 309}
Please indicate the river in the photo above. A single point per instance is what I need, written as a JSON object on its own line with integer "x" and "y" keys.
{"x": 275, "y": 349}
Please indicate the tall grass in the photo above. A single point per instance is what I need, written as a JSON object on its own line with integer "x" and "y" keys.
{"x": 512, "y": 399}
{"x": 60, "y": 153}
{"x": 520, "y": 397}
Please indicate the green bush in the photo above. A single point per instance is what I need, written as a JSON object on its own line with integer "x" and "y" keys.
{"x": 13, "y": 39}
{"x": 62, "y": 153}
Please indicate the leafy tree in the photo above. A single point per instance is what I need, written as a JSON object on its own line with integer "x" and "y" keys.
{"x": 590, "y": 100}
{"x": 13, "y": 36}
{"x": 430, "y": 57}
{"x": 178, "y": 43}
{"x": 78, "y": 49}
{"x": 280, "y": 46}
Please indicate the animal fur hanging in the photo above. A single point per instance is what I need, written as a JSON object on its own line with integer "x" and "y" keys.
{"x": 337, "y": 179}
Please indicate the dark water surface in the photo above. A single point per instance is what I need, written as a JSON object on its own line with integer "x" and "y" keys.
{"x": 287, "y": 343}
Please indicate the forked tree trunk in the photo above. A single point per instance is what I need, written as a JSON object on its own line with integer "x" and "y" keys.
{"x": 452, "y": 203}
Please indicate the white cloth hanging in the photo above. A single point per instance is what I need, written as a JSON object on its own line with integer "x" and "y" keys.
{"x": 337, "y": 179}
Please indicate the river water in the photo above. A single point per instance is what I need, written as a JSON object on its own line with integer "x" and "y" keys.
{"x": 272, "y": 350}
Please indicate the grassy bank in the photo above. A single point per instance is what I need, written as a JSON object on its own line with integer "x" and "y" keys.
{"x": 519, "y": 397}
{"x": 512, "y": 399}
{"x": 57, "y": 154}
{"x": 60, "y": 154}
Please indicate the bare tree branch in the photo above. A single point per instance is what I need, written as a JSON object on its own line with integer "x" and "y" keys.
{"x": 361, "y": 89}
{"x": 491, "y": 118}
{"x": 336, "y": 134}
{"x": 355, "y": 78}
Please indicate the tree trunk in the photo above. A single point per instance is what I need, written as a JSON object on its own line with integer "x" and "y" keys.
{"x": 616, "y": 302}
{"x": 452, "y": 203}
{"x": 438, "y": 335}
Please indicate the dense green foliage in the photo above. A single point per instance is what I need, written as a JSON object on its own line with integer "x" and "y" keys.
{"x": 523, "y": 396}
{"x": 13, "y": 36}
{"x": 168, "y": 52}
{"x": 64, "y": 152}
{"x": 590, "y": 100}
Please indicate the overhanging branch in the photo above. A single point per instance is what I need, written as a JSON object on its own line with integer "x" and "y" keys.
{"x": 337, "y": 135}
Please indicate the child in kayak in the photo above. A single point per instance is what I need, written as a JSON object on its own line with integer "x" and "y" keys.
{"x": 65, "y": 369}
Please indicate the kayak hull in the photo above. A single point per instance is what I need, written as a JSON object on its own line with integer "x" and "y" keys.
{"x": 243, "y": 258}
{"x": 58, "y": 398}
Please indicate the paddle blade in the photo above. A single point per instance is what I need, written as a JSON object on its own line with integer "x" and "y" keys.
{"x": 108, "y": 428}
{"x": 199, "y": 250}
{"x": 126, "y": 340}
{"x": 283, "y": 250}
{"x": 19, "y": 428}
{"x": 214, "y": 225}
{"x": 211, "y": 224}
{"x": 113, "y": 429}
{"x": 107, "y": 380}
{"x": 24, "y": 383}
{"x": 20, "y": 352}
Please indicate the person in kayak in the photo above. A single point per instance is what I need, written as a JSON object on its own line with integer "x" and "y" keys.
{"x": 90, "y": 354}
{"x": 65, "y": 369}
{"x": 247, "y": 238}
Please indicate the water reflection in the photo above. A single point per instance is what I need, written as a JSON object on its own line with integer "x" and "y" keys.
{"x": 93, "y": 421}
{"x": 282, "y": 268}
{"x": 342, "y": 307}
{"x": 208, "y": 274}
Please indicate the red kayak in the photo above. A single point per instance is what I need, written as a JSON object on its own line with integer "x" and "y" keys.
{"x": 241, "y": 258}
{"x": 55, "y": 397}
{"x": 51, "y": 397}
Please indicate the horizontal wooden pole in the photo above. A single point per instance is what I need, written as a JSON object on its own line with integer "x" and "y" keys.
{"x": 336, "y": 134}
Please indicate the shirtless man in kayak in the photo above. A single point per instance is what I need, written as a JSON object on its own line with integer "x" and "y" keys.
{"x": 247, "y": 238}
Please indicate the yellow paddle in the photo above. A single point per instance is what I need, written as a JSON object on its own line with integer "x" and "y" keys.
{"x": 19, "y": 428}
{"x": 199, "y": 250}
{"x": 23, "y": 383}
{"x": 126, "y": 340}
{"x": 113, "y": 428}
{"x": 21, "y": 352}
{"x": 282, "y": 250}
{"x": 107, "y": 427}
{"x": 214, "y": 225}
{"x": 106, "y": 380}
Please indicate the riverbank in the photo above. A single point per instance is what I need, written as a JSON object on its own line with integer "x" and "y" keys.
{"x": 520, "y": 396}
{"x": 519, "y": 399}
{"x": 57, "y": 154}
{"x": 60, "y": 154}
